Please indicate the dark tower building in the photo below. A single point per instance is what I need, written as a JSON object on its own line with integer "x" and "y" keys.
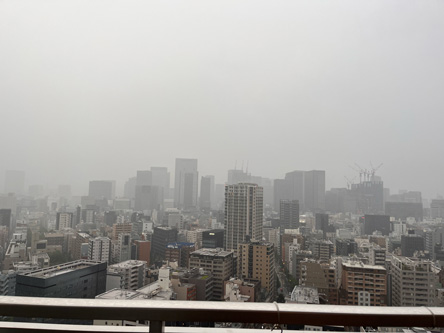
{"x": 321, "y": 223}
{"x": 289, "y": 214}
{"x": 379, "y": 223}
{"x": 410, "y": 244}
{"x": 212, "y": 239}
{"x": 162, "y": 236}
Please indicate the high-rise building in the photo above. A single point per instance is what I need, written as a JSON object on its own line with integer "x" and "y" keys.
{"x": 148, "y": 197}
{"x": 77, "y": 279}
{"x": 102, "y": 189}
{"x": 314, "y": 191}
{"x": 206, "y": 193}
{"x": 162, "y": 236}
{"x": 411, "y": 243}
{"x": 256, "y": 261}
{"x": 437, "y": 208}
{"x": 321, "y": 223}
{"x": 100, "y": 249}
{"x": 289, "y": 214}
{"x": 219, "y": 263}
{"x": 379, "y": 223}
{"x": 403, "y": 210}
{"x": 414, "y": 282}
{"x": 122, "y": 248}
{"x": 160, "y": 177}
{"x": 243, "y": 214}
{"x": 186, "y": 183}
{"x": 15, "y": 182}
{"x": 369, "y": 197}
{"x": 363, "y": 285}
{"x": 5, "y": 218}
{"x": 64, "y": 220}
{"x": 129, "y": 190}
{"x": 308, "y": 187}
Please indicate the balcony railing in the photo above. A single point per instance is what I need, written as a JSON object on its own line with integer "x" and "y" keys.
{"x": 158, "y": 312}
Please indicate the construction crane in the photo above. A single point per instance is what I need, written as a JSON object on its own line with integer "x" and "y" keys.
{"x": 373, "y": 169}
{"x": 349, "y": 182}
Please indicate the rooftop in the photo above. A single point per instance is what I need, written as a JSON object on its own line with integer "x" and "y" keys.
{"x": 61, "y": 269}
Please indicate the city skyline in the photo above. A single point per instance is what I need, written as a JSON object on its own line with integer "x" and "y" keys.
{"x": 296, "y": 86}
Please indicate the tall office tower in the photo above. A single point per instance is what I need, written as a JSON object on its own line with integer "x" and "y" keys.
{"x": 161, "y": 178}
{"x": 5, "y": 218}
{"x": 122, "y": 248}
{"x": 206, "y": 193}
{"x": 379, "y": 223}
{"x": 100, "y": 249}
{"x": 321, "y": 223}
{"x": 129, "y": 189}
{"x": 102, "y": 189}
{"x": 289, "y": 214}
{"x": 148, "y": 197}
{"x": 64, "y": 220}
{"x": 78, "y": 216}
{"x": 363, "y": 285}
{"x": 238, "y": 176}
{"x": 77, "y": 279}
{"x": 185, "y": 184}
{"x": 219, "y": 263}
{"x": 403, "y": 210}
{"x": 294, "y": 182}
{"x": 410, "y": 244}
{"x": 219, "y": 196}
{"x": 256, "y": 261}
{"x": 280, "y": 192}
{"x": 132, "y": 273}
{"x": 243, "y": 214}
{"x": 437, "y": 208}
{"x": 314, "y": 191}
{"x": 162, "y": 236}
{"x": 15, "y": 182}
{"x": 369, "y": 197}
{"x": 144, "y": 178}
{"x": 414, "y": 282}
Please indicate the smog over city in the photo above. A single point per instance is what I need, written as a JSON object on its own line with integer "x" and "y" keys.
{"x": 164, "y": 135}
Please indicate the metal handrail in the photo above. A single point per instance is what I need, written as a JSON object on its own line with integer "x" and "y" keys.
{"x": 160, "y": 311}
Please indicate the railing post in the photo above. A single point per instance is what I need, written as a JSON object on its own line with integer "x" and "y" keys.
{"x": 156, "y": 326}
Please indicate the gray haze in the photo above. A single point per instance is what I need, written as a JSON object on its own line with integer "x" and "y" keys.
{"x": 100, "y": 89}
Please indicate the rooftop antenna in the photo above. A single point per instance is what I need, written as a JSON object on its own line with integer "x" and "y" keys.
{"x": 246, "y": 171}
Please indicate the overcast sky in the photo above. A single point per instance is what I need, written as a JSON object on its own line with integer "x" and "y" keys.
{"x": 99, "y": 89}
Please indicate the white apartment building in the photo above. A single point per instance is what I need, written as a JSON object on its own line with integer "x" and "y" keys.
{"x": 414, "y": 282}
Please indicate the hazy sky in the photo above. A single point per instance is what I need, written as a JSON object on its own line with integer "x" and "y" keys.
{"x": 99, "y": 89}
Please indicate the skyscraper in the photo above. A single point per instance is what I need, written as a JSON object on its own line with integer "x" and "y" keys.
{"x": 243, "y": 214}
{"x": 186, "y": 183}
{"x": 102, "y": 189}
{"x": 206, "y": 192}
{"x": 289, "y": 214}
